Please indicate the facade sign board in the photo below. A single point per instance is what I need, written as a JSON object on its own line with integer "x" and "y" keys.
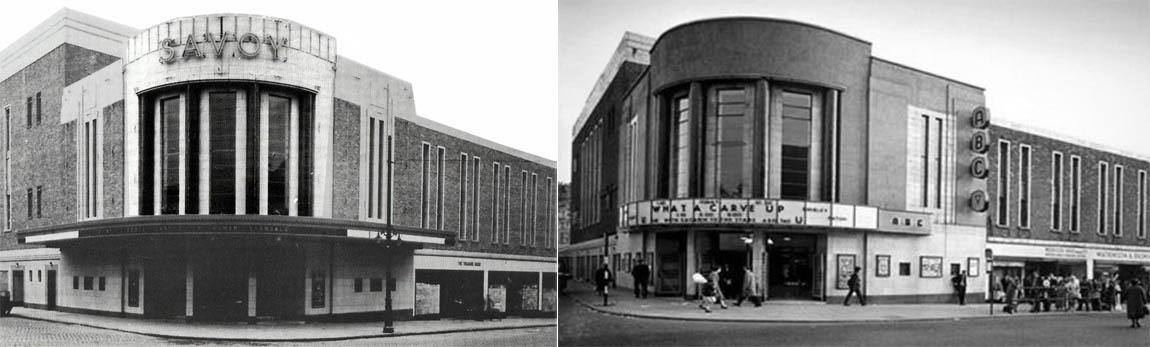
{"x": 818, "y": 214}
{"x": 644, "y": 211}
{"x": 661, "y": 212}
{"x": 758, "y": 212}
{"x": 866, "y": 217}
{"x": 904, "y": 222}
{"x": 1013, "y": 251}
{"x": 682, "y": 211}
{"x": 791, "y": 212}
{"x": 842, "y": 215}
{"x": 764, "y": 211}
{"x": 735, "y": 210}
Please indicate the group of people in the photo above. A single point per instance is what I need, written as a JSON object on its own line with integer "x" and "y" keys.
{"x": 720, "y": 280}
{"x": 1068, "y": 293}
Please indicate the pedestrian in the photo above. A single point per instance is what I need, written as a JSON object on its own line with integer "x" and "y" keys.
{"x": 959, "y": 283}
{"x": 752, "y": 290}
{"x": 564, "y": 275}
{"x": 854, "y": 285}
{"x": 603, "y": 277}
{"x": 716, "y": 279}
{"x": 1033, "y": 291}
{"x": 1136, "y": 300}
{"x": 641, "y": 273}
{"x": 1095, "y": 295}
{"x": 710, "y": 292}
{"x": 1011, "y": 285}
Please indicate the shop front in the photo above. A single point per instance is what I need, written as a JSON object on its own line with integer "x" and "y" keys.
{"x": 462, "y": 284}
{"x": 1019, "y": 257}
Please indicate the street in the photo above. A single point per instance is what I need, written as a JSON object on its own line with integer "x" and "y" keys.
{"x": 579, "y": 326}
{"x": 26, "y": 332}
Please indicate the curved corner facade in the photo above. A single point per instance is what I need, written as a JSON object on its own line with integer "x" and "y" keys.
{"x": 784, "y": 148}
{"x": 234, "y": 167}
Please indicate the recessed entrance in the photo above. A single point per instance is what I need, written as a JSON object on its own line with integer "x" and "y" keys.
{"x": 791, "y": 266}
{"x": 221, "y": 288}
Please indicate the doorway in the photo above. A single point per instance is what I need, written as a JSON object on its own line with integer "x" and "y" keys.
{"x": 221, "y": 289}
{"x": 51, "y": 289}
{"x": 670, "y": 275}
{"x": 18, "y": 287}
{"x": 791, "y": 266}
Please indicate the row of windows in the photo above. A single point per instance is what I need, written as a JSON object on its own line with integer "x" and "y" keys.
{"x": 470, "y": 175}
{"x": 1111, "y": 190}
{"x": 88, "y": 282}
{"x": 375, "y": 284}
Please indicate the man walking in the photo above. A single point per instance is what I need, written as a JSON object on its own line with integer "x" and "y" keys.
{"x": 751, "y": 289}
{"x": 603, "y": 277}
{"x": 854, "y": 284}
{"x": 641, "y": 274}
{"x": 959, "y": 283}
{"x": 715, "y": 279}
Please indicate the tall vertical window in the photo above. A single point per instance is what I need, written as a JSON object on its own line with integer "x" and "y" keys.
{"x": 478, "y": 169}
{"x": 30, "y": 201}
{"x": 1056, "y": 191}
{"x": 1024, "y": 186}
{"x": 39, "y": 200}
{"x": 170, "y": 113}
{"x": 681, "y": 159}
{"x": 495, "y": 233}
{"x": 727, "y": 164}
{"x": 439, "y": 164}
{"x": 279, "y": 118}
{"x": 28, "y": 122}
{"x": 1075, "y": 192}
{"x": 376, "y": 166}
{"x": 222, "y": 149}
{"x": 925, "y": 160}
{"x": 7, "y": 167}
{"x": 548, "y": 215}
{"x": 938, "y": 140}
{"x": 39, "y": 110}
{"x": 463, "y": 196}
{"x": 1103, "y": 200}
{"x": 534, "y": 195}
{"x": 523, "y": 196}
{"x": 1142, "y": 203}
{"x": 1003, "y": 200}
{"x": 90, "y": 169}
{"x": 1119, "y": 178}
{"x": 796, "y": 146}
{"x": 506, "y": 203}
{"x": 425, "y": 188}
{"x": 372, "y": 152}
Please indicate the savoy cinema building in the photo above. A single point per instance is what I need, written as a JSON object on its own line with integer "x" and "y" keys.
{"x": 235, "y": 167}
{"x": 789, "y": 149}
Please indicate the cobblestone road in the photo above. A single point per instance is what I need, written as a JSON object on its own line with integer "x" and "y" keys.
{"x": 25, "y": 332}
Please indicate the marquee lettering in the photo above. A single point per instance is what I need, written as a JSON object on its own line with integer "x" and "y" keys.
{"x": 248, "y": 45}
{"x": 979, "y": 144}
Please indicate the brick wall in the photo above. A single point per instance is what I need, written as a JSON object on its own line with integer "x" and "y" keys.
{"x": 113, "y": 119}
{"x": 408, "y": 184}
{"x": 345, "y": 183}
{"x": 1041, "y": 173}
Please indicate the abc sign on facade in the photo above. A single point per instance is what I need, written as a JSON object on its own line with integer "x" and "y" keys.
{"x": 979, "y": 144}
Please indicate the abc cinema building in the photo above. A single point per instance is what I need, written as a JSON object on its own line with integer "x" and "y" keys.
{"x": 235, "y": 167}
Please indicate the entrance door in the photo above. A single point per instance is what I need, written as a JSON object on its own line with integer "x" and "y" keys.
{"x": 221, "y": 289}
{"x": 790, "y": 266}
{"x": 51, "y": 289}
{"x": 18, "y": 287}
{"x": 670, "y": 275}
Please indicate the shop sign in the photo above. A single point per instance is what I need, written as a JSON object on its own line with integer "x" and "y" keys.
{"x": 735, "y": 210}
{"x": 682, "y": 211}
{"x": 765, "y": 211}
{"x": 470, "y": 263}
{"x": 842, "y": 215}
{"x": 660, "y": 212}
{"x": 818, "y": 214}
{"x": 1122, "y": 255}
{"x": 1065, "y": 252}
{"x": 979, "y": 144}
{"x": 791, "y": 212}
{"x": 904, "y": 221}
{"x": 248, "y": 45}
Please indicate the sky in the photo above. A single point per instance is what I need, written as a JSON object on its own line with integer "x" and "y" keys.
{"x": 1077, "y": 68}
{"x": 485, "y": 67}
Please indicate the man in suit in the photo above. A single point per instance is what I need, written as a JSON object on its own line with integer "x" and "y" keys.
{"x": 854, "y": 285}
{"x": 642, "y": 276}
{"x": 959, "y": 283}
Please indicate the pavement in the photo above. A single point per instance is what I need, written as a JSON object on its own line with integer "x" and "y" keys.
{"x": 276, "y": 331}
{"x": 622, "y": 302}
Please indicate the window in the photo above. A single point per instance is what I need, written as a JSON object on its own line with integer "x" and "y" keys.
{"x": 39, "y": 113}
{"x": 376, "y": 165}
{"x": 796, "y": 146}
{"x": 87, "y": 282}
{"x": 523, "y": 208}
{"x": 1142, "y": 204}
{"x": 28, "y": 123}
{"x": 91, "y": 169}
{"x": 279, "y": 121}
{"x": 727, "y": 160}
{"x": 463, "y": 196}
{"x": 359, "y": 285}
{"x": 904, "y": 269}
{"x": 39, "y": 196}
{"x": 925, "y": 159}
{"x": 1056, "y": 191}
{"x": 1024, "y": 187}
{"x": 75, "y": 282}
{"x": 39, "y": 275}
{"x": 133, "y": 288}
{"x": 534, "y": 194}
{"x": 7, "y": 167}
{"x": 1118, "y": 180}
{"x": 477, "y": 168}
{"x": 1103, "y": 174}
{"x": 938, "y": 164}
{"x": 1075, "y": 191}
{"x": 30, "y": 205}
{"x": 506, "y": 203}
{"x": 425, "y": 191}
{"x": 103, "y": 283}
{"x": 681, "y": 144}
{"x": 1003, "y": 211}
{"x": 548, "y": 218}
{"x": 222, "y": 150}
{"x": 495, "y": 202}
{"x": 377, "y": 284}
{"x": 439, "y": 173}
{"x": 170, "y": 112}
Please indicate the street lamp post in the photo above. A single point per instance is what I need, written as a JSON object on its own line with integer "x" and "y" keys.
{"x": 390, "y": 241}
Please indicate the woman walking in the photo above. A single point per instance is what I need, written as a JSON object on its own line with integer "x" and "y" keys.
{"x": 1136, "y": 304}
